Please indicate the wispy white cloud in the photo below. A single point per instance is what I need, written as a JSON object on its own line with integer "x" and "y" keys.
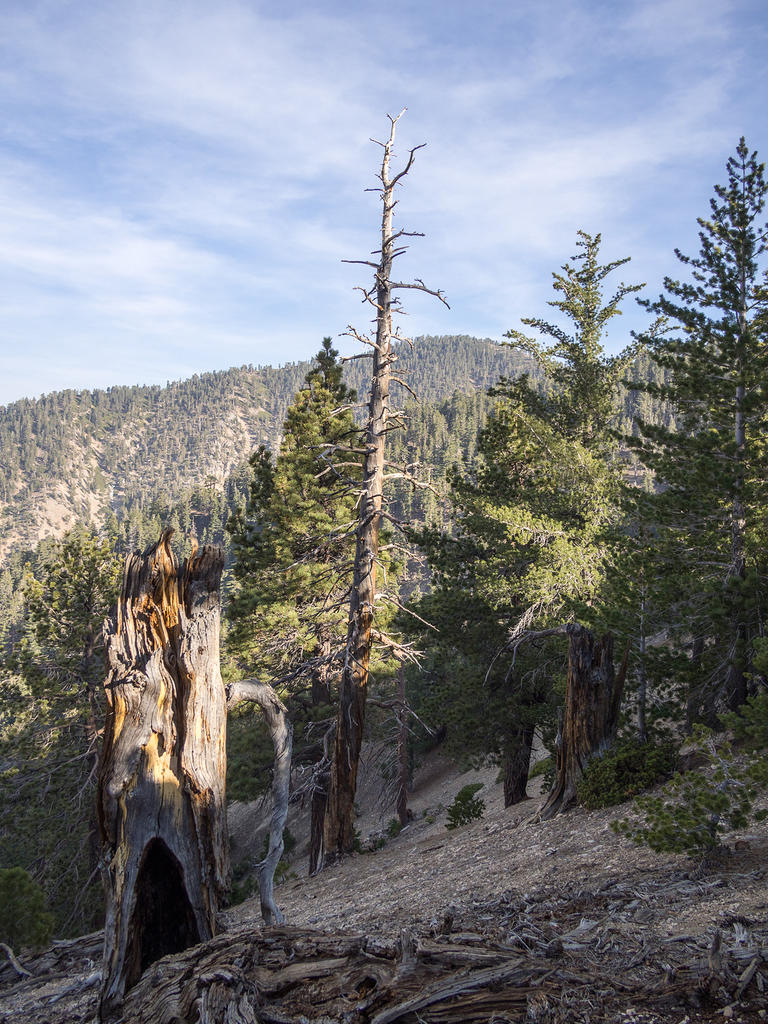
{"x": 182, "y": 174}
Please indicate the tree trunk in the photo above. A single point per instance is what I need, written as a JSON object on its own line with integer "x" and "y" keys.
{"x": 338, "y": 837}
{"x": 162, "y": 813}
{"x": 281, "y": 731}
{"x": 339, "y": 819}
{"x": 402, "y": 751}
{"x": 592, "y": 699}
{"x": 321, "y": 776}
{"x": 321, "y": 780}
{"x": 516, "y": 765}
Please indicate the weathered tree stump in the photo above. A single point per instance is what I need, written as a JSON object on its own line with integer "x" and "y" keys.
{"x": 162, "y": 813}
{"x": 592, "y": 700}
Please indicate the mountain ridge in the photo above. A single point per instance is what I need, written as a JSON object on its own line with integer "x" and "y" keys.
{"x": 92, "y": 456}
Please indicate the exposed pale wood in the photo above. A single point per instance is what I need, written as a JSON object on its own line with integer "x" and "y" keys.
{"x": 281, "y": 731}
{"x": 162, "y": 813}
{"x": 21, "y": 971}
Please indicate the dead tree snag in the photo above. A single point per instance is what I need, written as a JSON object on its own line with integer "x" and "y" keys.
{"x": 591, "y": 716}
{"x": 162, "y": 814}
{"x": 353, "y": 688}
{"x": 281, "y": 731}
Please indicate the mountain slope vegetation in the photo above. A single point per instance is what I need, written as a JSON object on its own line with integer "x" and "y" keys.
{"x": 125, "y": 454}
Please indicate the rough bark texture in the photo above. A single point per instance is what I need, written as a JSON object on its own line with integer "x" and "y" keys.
{"x": 162, "y": 813}
{"x": 321, "y": 776}
{"x": 592, "y": 701}
{"x": 281, "y": 731}
{"x": 321, "y": 780}
{"x": 516, "y": 766}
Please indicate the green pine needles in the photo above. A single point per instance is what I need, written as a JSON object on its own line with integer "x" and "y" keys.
{"x": 624, "y": 772}
{"x": 692, "y": 812}
{"x": 712, "y": 469}
{"x": 24, "y": 916}
{"x": 466, "y": 806}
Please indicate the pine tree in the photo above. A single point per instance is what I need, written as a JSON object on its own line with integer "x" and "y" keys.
{"x": 293, "y": 546}
{"x": 527, "y": 552}
{"x": 582, "y": 384}
{"x": 291, "y": 543}
{"x": 52, "y": 683}
{"x": 531, "y": 522}
{"x": 712, "y": 470}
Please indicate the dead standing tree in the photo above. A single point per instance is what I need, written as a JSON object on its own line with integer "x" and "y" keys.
{"x": 591, "y": 715}
{"x": 339, "y": 817}
{"x": 162, "y": 813}
{"x": 281, "y": 731}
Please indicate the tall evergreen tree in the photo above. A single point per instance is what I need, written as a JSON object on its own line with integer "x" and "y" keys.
{"x": 713, "y": 470}
{"x": 291, "y": 543}
{"x": 293, "y": 549}
{"x": 582, "y": 383}
{"x": 52, "y": 683}
{"x": 529, "y": 548}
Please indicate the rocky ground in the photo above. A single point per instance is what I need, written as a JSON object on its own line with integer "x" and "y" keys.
{"x": 499, "y": 920}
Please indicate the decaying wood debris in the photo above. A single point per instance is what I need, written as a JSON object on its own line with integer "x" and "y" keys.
{"x": 162, "y": 813}
{"x": 560, "y": 956}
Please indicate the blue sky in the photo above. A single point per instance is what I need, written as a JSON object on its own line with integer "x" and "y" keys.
{"x": 180, "y": 180}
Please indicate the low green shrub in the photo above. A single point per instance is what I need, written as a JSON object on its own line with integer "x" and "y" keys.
{"x": 546, "y": 764}
{"x": 394, "y": 828}
{"x": 623, "y": 772}
{"x": 24, "y": 918}
{"x": 466, "y": 806}
{"x": 694, "y": 809}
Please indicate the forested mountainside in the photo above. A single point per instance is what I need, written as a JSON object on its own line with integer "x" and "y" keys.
{"x": 131, "y": 459}
{"x": 131, "y": 453}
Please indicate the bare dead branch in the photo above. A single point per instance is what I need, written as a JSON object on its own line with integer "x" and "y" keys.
{"x": 281, "y": 731}
{"x": 419, "y": 286}
{"x": 398, "y": 704}
{"x": 411, "y": 156}
{"x": 408, "y": 611}
{"x": 21, "y": 971}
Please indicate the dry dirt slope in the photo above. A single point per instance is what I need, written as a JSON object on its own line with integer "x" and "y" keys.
{"x": 497, "y": 921}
